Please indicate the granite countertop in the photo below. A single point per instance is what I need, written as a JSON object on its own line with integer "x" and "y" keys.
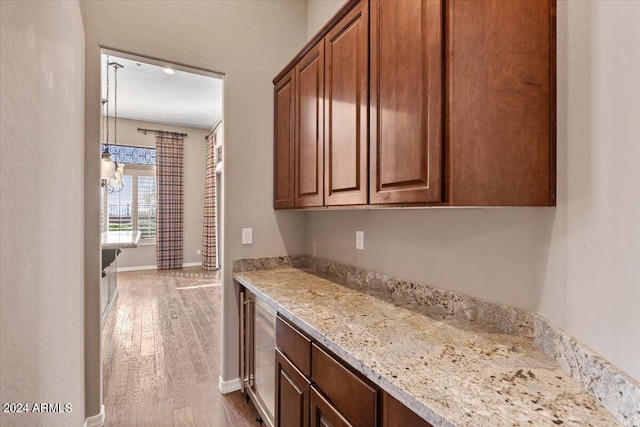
{"x": 120, "y": 239}
{"x": 451, "y": 371}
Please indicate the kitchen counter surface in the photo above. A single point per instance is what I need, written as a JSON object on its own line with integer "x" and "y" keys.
{"x": 451, "y": 371}
{"x": 120, "y": 239}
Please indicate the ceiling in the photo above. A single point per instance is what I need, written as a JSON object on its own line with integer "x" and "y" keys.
{"x": 146, "y": 92}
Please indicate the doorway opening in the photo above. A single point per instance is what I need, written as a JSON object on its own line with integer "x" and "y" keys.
{"x": 151, "y": 107}
{"x": 160, "y": 297}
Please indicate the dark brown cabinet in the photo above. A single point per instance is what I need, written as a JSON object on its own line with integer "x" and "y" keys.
{"x": 314, "y": 388}
{"x": 346, "y": 106}
{"x": 284, "y": 137}
{"x": 337, "y": 396}
{"x": 354, "y": 397}
{"x": 324, "y": 414}
{"x": 406, "y": 89}
{"x": 308, "y": 125}
{"x": 460, "y": 100}
{"x": 292, "y": 394}
{"x": 501, "y": 102}
{"x": 395, "y": 414}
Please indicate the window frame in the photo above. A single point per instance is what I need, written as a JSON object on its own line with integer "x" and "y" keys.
{"x": 135, "y": 171}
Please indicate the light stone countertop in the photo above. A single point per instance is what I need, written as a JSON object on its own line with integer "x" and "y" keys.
{"x": 120, "y": 239}
{"x": 451, "y": 371}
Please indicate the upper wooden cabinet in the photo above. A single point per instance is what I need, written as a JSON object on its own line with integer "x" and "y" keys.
{"x": 283, "y": 137}
{"x": 453, "y": 102}
{"x": 406, "y": 101}
{"x": 308, "y": 125}
{"x": 346, "y": 104}
{"x": 501, "y": 102}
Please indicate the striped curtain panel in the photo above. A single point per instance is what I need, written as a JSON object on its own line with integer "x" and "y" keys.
{"x": 209, "y": 252}
{"x": 169, "y": 163}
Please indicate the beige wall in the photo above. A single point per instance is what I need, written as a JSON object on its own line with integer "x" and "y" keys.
{"x": 41, "y": 202}
{"x": 576, "y": 263}
{"x": 319, "y": 12}
{"x": 248, "y": 41}
{"x": 591, "y": 277}
{"x": 195, "y": 157}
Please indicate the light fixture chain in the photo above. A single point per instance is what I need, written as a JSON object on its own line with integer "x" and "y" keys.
{"x": 107, "y": 131}
{"x": 115, "y": 105}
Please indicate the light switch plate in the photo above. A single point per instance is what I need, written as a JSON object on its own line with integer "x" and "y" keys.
{"x": 199, "y": 252}
{"x": 247, "y": 236}
{"x": 360, "y": 240}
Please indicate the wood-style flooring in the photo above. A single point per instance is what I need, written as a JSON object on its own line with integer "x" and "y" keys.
{"x": 161, "y": 353}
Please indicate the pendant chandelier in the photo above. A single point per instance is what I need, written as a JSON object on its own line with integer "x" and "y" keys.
{"x": 111, "y": 173}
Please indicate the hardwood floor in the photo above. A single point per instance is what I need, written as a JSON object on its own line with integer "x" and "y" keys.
{"x": 161, "y": 353}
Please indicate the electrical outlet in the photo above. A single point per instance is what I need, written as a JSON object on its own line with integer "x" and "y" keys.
{"x": 199, "y": 252}
{"x": 247, "y": 236}
{"x": 360, "y": 240}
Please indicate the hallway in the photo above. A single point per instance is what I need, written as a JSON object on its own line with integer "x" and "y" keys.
{"x": 161, "y": 351}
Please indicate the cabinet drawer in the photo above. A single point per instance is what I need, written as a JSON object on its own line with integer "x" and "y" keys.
{"x": 324, "y": 414}
{"x": 395, "y": 414}
{"x": 294, "y": 345}
{"x": 352, "y": 396}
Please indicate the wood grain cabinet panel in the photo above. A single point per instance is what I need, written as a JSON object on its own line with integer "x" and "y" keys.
{"x": 294, "y": 345}
{"x": 406, "y": 138}
{"x": 501, "y": 102}
{"x": 283, "y": 142}
{"x": 455, "y": 99}
{"x": 395, "y": 414}
{"x": 324, "y": 414}
{"x": 346, "y": 105}
{"x": 309, "y": 133}
{"x": 292, "y": 394}
{"x": 356, "y": 399}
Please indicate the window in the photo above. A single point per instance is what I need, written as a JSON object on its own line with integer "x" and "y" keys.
{"x": 133, "y": 208}
{"x": 147, "y": 202}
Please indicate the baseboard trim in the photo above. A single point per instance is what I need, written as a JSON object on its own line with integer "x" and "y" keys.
{"x": 96, "y": 420}
{"x": 154, "y": 267}
{"x": 137, "y": 268}
{"x": 192, "y": 264}
{"x": 229, "y": 386}
{"x": 108, "y": 308}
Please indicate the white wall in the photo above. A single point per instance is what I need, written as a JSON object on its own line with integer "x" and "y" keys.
{"x": 248, "y": 41}
{"x": 41, "y": 203}
{"x": 195, "y": 158}
{"x": 319, "y": 12}
{"x": 576, "y": 263}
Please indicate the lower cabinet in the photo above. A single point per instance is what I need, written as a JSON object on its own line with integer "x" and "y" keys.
{"x": 292, "y": 394}
{"x": 313, "y": 388}
{"x": 354, "y": 397}
{"x": 324, "y": 414}
{"x": 395, "y": 414}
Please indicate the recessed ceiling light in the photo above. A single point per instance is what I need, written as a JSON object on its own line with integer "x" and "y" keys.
{"x": 168, "y": 70}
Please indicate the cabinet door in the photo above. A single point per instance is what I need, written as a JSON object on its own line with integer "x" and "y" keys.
{"x": 309, "y": 138}
{"x": 292, "y": 394}
{"x": 346, "y": 102}
{"x": 323, "y": 414}
{"x": 283, "y": 188}
{"x": 501, "y": 102}
{"x": 406, "y": 101}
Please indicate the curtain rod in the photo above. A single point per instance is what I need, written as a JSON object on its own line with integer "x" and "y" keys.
{"x": 166, "y": 132}
{"x": 132, "y": 146}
